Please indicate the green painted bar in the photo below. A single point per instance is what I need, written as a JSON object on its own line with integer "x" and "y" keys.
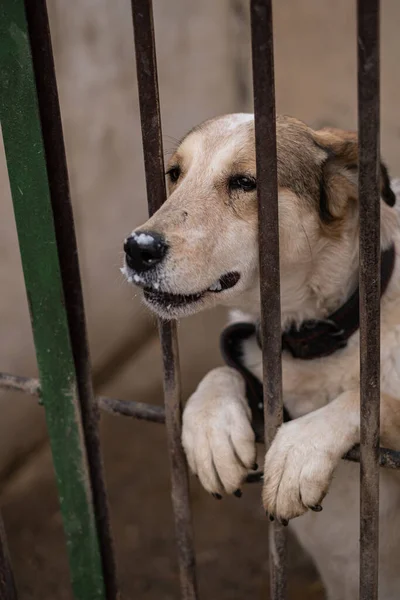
{"x": 33, "y": 214}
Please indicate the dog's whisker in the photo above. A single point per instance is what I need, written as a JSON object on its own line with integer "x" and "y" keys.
{"x": 172, "y": 138}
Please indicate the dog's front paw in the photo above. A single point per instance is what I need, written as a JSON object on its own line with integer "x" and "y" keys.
{"x": 298, "y": 468}
{"x": 216, "y": 433}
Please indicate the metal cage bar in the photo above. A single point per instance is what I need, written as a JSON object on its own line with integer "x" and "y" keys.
{"x": 267, "y": 190}
{"x": 35, "y": 156}
{"x": 146, "y": 65}
{"x": 369, "y": 193}
{"x": 8, "y": 590}
{"x": 49, "y": 108}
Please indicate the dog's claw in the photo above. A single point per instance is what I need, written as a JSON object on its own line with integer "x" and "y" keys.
{"x": 270, "y": 517}
{"x": 217, "y": 496}
{"x": 316, "y": 508}
{"x": 255, "y": 467}
{"x": 284, "y": 522}
{"x": 237, "y": 493}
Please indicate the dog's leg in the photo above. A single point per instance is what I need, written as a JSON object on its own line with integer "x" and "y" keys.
{"x": 300, "y": 462}
{"x": 331, "y": 538}
{"x": 217, "y": 435}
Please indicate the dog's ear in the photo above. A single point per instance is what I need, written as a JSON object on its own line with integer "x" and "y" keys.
{"x": 339, "y": 174}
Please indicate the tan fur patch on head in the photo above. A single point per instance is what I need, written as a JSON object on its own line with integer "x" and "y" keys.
{"x": 299, "y": 158}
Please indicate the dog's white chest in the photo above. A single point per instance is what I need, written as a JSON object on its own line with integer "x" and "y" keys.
{"x": 311, "y": 384}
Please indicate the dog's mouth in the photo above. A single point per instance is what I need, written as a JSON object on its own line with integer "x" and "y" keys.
{"x": 167, "y": 300}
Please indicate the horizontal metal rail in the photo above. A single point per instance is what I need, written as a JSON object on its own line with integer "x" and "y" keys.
{"x": 144, "y": 411}
{"x": 136, "y": 410}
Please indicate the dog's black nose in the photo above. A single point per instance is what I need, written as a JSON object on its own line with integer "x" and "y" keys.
{"x": 144, "y": 250}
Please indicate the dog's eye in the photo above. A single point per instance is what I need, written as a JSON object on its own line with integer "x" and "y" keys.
{"x": 174, "y": 174}
{"x": 243, "y": 183}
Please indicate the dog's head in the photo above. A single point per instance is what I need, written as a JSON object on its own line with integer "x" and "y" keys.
{"x": 201, "y": 247}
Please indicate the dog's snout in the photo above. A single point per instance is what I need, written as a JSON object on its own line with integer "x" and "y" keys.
{"x": 144, "y": 250}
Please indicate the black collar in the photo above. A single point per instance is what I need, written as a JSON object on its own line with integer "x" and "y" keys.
{"x": 316, "y": 339}
{"x": 312, "y": 339}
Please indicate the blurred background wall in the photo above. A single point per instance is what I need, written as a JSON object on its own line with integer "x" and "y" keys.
{"x": 204, "y": 70}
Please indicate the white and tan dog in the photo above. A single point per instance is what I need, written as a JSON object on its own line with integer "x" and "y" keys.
{"x": 201, "y": 249}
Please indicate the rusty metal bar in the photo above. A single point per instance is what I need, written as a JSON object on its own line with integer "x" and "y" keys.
{"x": 16, "y": 383}
{"x": 146, "y": 65}
{"x": 113, "y": 406}
{"x": 135, "y": 410}
{"x": 369, "y": 190}
{"x": 388, "y": 458}
{"x": 267, "y": 188}
{"x": 47, "y": 93}
{"x": 8, "y": 590}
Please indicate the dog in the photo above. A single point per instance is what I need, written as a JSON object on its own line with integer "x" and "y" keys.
{"x": 200, "y": 249}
